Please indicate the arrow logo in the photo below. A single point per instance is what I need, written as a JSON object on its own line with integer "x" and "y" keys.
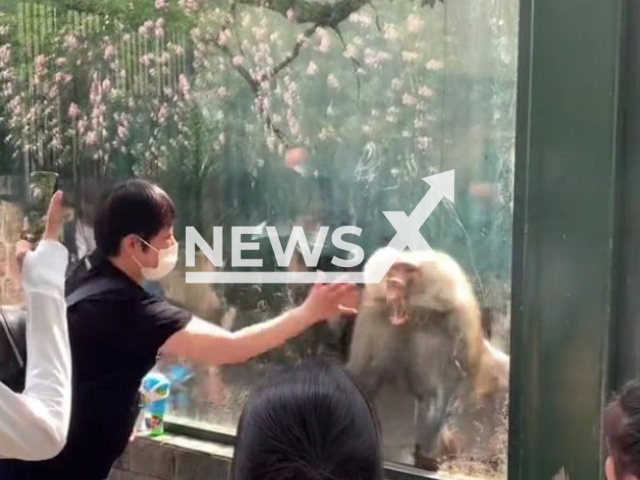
{"x": 408, "y": 227}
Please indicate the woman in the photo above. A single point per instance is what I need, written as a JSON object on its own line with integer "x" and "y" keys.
{"x": 309, "y": 422}
{"x": 34, "y": 424}
{"x": 622, "y": 434}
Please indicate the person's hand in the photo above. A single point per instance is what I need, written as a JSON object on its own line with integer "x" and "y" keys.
{"x": 55, "y": 218}
{"x": 21, "y": 250}
{"x": 329, "y": 301}
{"x": 53, "y": 226}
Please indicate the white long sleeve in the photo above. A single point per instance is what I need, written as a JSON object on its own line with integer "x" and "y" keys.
{"x": 34, "y": 424}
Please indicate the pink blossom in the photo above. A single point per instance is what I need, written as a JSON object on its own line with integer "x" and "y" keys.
{"x": 325, "y": 40}
{"x": 95, "y": 92}
{"x": 15, "y": 105}
{"x": 159, "y": 28}
{"x": 61, "y": 62}
{"x": 312, "y": 69}
{"x": 259, "y": 33}
{"x": 414, "y": 23}
{"x": 91, "y": 138}
{"x": 161, "y": 4}
{"x": 70, "y": 41}
{"x": 146, "y": 28}
{"x": 146, "y": 60}
{"x": 189, "y": 6}
{"x": 53, "y": 93}
{"x": 408, "y": 100}
{"x": 390, "y": 33}
{"x": 223, "y": 37}
{"x": 332, "y": 81}
{"x": 425, "y": 91}
{"x": 63, "y": 78}
{"x": 122, "y": 132}
{"x": 361, "y": 18}
{"x": 106, "y": 85}
{"x": 237, "y": 60}
{"x": 163, "y": 114}
{"x": 5, "y": 54}
{"x": 392, "y": 115}
{"x": 435, "y": 65}
{"x": 126, "y": 37}
{"x": 409, "y": 57}
{"x": 183, "y": 86}
{"x": 291, "y": 15}
{"x": 350, "y": 51}
{"x": 109, "y": 52}
{"x": 324, "y": 134}
{"x": 40, "y": 65}
{"x": 423, "y": 143}
{"x": 374, "y": 59}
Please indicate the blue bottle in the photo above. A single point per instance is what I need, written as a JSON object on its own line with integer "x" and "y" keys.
{"x": 155, "y": 392}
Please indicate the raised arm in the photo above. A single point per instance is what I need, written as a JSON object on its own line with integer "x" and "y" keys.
{"x": 206, "y": 343}
{"x": 34, "y": 424}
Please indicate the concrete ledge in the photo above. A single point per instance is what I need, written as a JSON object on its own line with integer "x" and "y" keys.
{"x": 173, "y": 457}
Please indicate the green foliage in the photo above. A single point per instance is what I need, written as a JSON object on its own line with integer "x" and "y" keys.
{"x": 207, "y": 99}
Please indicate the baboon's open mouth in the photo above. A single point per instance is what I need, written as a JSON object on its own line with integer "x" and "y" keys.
{"x": 396, "y": 298}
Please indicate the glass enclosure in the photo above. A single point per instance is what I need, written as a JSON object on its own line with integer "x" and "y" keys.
{"x": 307, "y": 113}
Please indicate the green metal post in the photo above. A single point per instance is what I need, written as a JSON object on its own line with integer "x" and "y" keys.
{"x": 564, "y": 235}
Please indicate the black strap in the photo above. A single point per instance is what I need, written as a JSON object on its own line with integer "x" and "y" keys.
{"x": 91, "y": 288}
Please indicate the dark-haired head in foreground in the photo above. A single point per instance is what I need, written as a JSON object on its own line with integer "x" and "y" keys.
{"x": 309, "y": 422}
{"x": 622, "y": 434}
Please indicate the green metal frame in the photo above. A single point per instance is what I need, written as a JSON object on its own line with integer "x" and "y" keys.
{"x": 566, "y": 225}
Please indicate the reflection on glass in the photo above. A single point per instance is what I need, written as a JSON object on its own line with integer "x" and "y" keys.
{"x": 324, "y": 114}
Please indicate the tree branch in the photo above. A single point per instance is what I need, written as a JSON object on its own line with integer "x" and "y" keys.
{"x": 255, "y": 88}
{"x": 324, "y": 13}
{"x": 134, "y": 12}
{"x": 244, "y": 73}
{"x": 354, "y": 63}
{"x": 292, "y": 56}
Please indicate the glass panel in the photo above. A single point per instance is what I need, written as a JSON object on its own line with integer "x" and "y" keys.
{"x": 324, "y": 114}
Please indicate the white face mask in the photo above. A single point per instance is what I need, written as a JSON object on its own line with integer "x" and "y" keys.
{"x": 167, "y": 259}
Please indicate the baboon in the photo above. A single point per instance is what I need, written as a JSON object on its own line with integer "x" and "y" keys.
{"x": 420, "y": 328}
{"x": 476, "y": 428}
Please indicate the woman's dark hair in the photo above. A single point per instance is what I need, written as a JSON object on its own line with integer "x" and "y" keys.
{"x": 622, "y": 430}
{"x": 309, "y": 422}
{"x": 133, "y": 207}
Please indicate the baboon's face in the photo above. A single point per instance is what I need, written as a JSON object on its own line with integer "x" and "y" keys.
{"x": 403, "y": 280}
